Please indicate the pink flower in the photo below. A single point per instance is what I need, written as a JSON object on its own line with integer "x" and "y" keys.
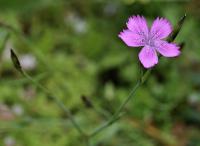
{"x": 138, "y": 34}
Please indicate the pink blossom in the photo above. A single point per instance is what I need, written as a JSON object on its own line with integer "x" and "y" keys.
{"x": 138, "y": 34}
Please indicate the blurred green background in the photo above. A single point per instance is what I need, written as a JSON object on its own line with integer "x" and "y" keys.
{"x": 72, "y": 48}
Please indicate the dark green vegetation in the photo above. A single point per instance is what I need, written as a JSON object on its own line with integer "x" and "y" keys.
{"x": 71, "y": 47}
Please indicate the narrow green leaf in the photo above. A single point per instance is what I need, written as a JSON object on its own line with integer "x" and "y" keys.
{"x": 177, "y": 29}
{"x": 87, "y": 102}
{"x": 15, "y": 61}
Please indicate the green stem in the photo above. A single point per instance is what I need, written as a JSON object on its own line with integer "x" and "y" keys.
{"x": 58, "y": 102}
{"x": 117, "y": 115}
{"x": 105, "y": 125}
{"x": 126, "y": 100}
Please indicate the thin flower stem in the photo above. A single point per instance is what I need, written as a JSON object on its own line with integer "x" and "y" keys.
{"x": 117, "y": 115}
{"x": 145, "y": 75}
{"x": 105, "y": 125}
{"x": 57, "y": 101}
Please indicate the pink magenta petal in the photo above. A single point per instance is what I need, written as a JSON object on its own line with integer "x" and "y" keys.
{"x": 131, "y": 39}
{"x": 167, "y": 49}
{"x": 160, "y": 29}
{"x": 148, "y": 57}
{"x": 138, "y": 25}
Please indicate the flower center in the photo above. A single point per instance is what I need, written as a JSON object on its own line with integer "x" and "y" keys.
{"x": 149, "y": 42}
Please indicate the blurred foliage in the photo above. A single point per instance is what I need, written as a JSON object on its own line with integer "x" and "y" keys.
{"x": 72, "y": 48}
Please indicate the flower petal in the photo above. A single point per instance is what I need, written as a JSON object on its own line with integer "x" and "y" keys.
{"x": 167, "y": 49}
{"x": 148, "y": 57}
{"x": 131, "y": 39}
{"x": 138, "y": 25}
{"x": 160, "y": 29}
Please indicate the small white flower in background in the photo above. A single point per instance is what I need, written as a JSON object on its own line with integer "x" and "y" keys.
{"x": 79, "y": 24}
{"x": 9, "y": 141}
{"x": 17, "y": 109}
{"x": 28, "y": 61}
{"x": 194, "y": 99}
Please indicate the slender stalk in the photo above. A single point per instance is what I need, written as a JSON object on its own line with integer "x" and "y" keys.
{"x": 57, "y": 101}
{"x": 116, "y": 115}
{"x": 19, "y": 68}
{"x": 105, "y": 125}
